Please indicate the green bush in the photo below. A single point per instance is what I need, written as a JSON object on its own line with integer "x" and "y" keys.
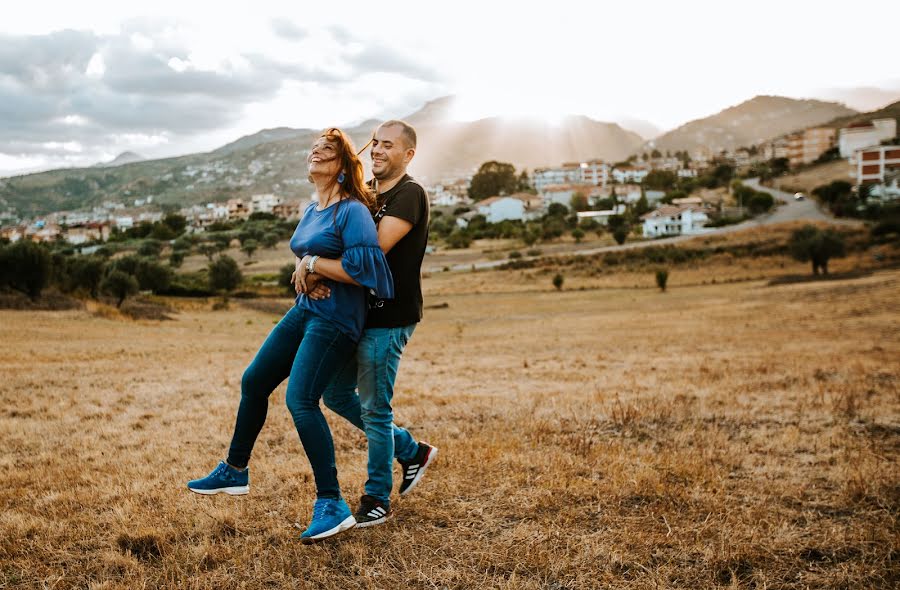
{"x": 119, "y": 285}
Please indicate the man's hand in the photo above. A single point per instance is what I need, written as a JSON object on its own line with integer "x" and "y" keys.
{"x": 318, "y": 291}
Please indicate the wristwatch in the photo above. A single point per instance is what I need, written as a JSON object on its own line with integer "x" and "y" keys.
{"x": 311, "y": 265}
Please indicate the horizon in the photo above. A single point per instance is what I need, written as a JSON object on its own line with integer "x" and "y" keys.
{"x": 81, "y": 85}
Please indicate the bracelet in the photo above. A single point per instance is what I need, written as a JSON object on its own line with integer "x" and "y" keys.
{"x": 311, "y": 265}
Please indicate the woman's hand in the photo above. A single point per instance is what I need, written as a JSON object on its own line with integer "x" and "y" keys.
{"x": 300, "y": 274}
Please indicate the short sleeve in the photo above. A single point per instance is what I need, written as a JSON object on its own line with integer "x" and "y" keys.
{"x": 408, "y": 204}
{"x": 362, "y": 258}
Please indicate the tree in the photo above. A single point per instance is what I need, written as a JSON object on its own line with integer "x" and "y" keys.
{"x": 620, "y": 234}
{"x": 248, "y": 247}
{"x": 810, "y": 243}
{"x": 579, "y": 202}
{"x": 284, "y": 278}
{"x": 25, "y": 266}
{"x": 778, "y": 166}
{"x": 760, "y": 202}
{"x": 269, "y": 241}
{"x": 558, "y": 281}
{"x": 662, "y": 277}
{"x": 661, "y": 180}
{"x": 120, "y": 285}
{"x": 493, "y": 178}
{"x": 655, "y": 154}
{"x": 176, "y": 258}
{"x": 557, "y": 210}
{"x": 86, "y": 272}
{"x": 153, "y": 276}
{"x": 208, "y": 249}
{"x": 524, "y": 182}
{"x": 150, "y": 248}
{"x": 578, "y": 234}
{"x": 224, "y": 275}
{"x": 460, "y": 238}
{"x": 175, "y": 222}
{"x": 642, "y": 206}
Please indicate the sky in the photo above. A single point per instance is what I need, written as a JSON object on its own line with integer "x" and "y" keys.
{"x": 82, "y": 82}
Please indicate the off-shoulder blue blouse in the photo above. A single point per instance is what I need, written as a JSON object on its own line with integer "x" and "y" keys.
{"x": 344, "y": 230}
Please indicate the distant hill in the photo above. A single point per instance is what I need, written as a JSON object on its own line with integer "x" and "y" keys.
{"x": 274, "y": 160}
{"x": 123, "y": 158}
{"x": 264, "y": 136}
{"x": 891, "y": 110}
{"x": 759, "y": 119}
{"x": 645, "y": 129}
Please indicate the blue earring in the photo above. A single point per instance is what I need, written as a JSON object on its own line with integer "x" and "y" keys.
{"x": 341, "y": 177}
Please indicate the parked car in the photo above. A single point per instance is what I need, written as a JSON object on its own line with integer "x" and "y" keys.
{"x": 799, "y": 196}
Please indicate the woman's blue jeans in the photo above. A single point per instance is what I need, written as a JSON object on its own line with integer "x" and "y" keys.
{"x": 308, "y": 350}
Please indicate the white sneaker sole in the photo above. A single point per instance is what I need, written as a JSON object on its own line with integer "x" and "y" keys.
{"x": 431, "y": 457}
{"x": 347, "y": 524}
{"x": 233, "y": 491}
{"x": 364, "y": 523}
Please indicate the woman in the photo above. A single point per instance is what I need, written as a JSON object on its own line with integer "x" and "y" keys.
{"x": 316, "y": 337}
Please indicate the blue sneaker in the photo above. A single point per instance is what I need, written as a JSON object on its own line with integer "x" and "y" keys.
{"x": 330, "y": 517}
{"x": 223, "y": 479}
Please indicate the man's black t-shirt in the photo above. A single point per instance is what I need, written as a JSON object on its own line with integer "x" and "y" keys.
{"x": 409, "y": 202}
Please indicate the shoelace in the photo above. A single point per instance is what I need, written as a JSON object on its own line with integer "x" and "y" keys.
{"x": 319, "y": 509}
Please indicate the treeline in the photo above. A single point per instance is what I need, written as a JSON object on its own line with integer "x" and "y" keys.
{"x": 31, "y": 268}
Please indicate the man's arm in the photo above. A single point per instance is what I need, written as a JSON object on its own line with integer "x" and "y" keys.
{"x": 390, "y": 231}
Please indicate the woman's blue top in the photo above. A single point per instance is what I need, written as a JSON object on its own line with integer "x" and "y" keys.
{"x": 348, "y": 233}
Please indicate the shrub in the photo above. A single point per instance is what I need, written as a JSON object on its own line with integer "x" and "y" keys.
{"x": 284, "y": 278}
{"x": 578, "y": 234}
{"x": 558, "y": 281}
{"x": 662, "y": 277}
{"x": 620, "y": 234}
{"x": 150, "y": 248}
{"x": 515, "y": 254}
{"x": 459, "y": 239}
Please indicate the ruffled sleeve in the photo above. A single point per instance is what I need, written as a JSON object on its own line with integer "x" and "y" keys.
{"x": 363, "y": 259}
{"x": 367, "y": 266}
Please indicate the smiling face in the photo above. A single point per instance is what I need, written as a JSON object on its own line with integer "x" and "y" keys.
{"x": 391, "y": 152}
{"x": 323, "y": 159}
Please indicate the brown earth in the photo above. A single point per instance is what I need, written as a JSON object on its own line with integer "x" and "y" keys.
{"x": 728, "y": 435}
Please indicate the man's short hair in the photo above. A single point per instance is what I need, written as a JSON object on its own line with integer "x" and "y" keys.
{"x": 409, "y": 132}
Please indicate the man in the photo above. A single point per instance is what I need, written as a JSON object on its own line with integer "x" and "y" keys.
{"x": 402, "y": 234}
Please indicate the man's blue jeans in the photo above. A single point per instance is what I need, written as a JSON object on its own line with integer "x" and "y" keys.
{"x": 374, "y": 371}
{"x": 310, "y": 350}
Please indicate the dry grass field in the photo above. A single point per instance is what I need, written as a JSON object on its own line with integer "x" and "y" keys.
{"x": 728, "y": 435}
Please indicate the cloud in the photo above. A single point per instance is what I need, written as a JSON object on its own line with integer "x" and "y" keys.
{"x": 152, "y": 78}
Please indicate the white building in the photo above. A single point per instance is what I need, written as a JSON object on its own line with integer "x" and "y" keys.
{"x": 594, "y": 172}
{"x": 673, "y": 221}
{"x": 569, "y": 173}
{"x": 264, "y": 203}
{"x": 124, "y": 222}
{"x": 873, "y": 163}
{"x": 497, "y": 209}
{"x": 863, "y": 135}
{"x": 624, "y": 174}
{"x": 601, "y": 217}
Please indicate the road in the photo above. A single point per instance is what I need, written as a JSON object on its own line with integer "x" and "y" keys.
{"x": 789, "y": 210}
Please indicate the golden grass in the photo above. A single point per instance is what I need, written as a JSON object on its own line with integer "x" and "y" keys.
{"x": 715, "y": 436}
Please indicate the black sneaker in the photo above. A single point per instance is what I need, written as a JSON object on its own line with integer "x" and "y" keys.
{"x": 371, "y": 512}
{"x": 415, "y": 468}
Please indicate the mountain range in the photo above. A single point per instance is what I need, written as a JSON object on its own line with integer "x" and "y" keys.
{"x": 273, "y": 160}
{"x": 753, "y": 121}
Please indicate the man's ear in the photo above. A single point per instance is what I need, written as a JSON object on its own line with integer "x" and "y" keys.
{"x": 410, "y": 154}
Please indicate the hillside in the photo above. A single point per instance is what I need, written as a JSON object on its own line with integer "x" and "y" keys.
{"x": 273, "y": 160}
{"x": 751, "y": 122}
{"x": 891, "y": 110}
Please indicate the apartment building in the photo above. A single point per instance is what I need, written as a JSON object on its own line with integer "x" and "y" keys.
{"x": 873, "y": 163}
{"x": 806, "y": 146}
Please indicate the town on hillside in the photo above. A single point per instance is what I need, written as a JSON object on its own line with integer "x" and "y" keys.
{"x": 650, "y": 194}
